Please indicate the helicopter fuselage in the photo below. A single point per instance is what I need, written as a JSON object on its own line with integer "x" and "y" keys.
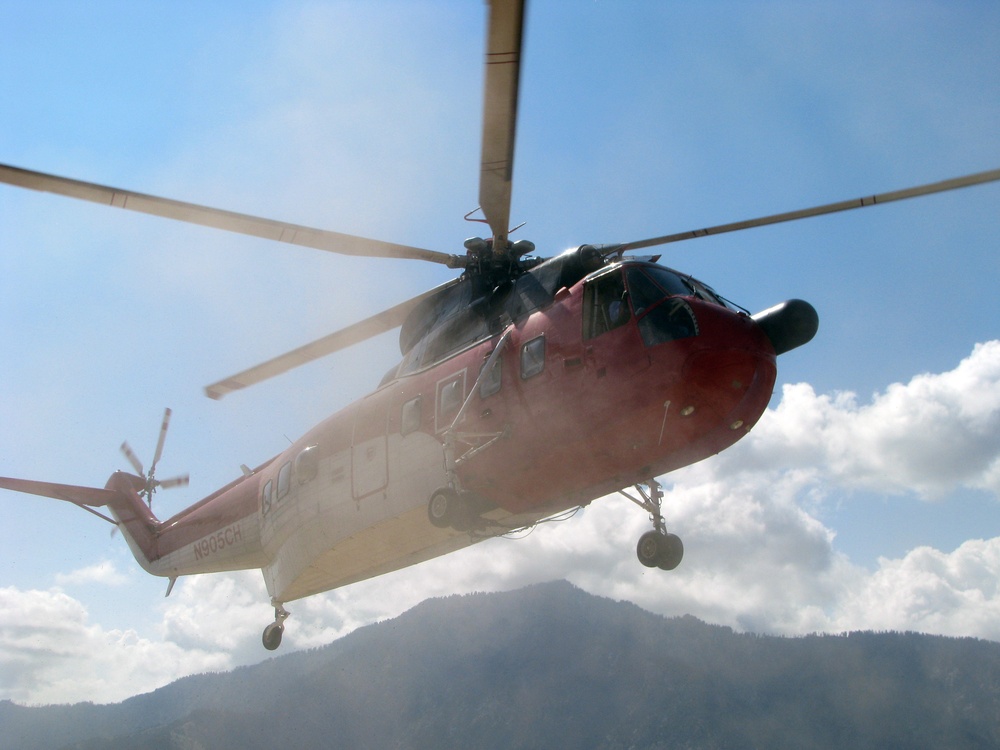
{"x": 614, "y": 382}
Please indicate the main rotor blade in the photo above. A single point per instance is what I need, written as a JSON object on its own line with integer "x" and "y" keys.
{"x": 503, "y": 69}
{"x": 255, "y": 226}
{"x": 896, "y": 195}
{"x": 345, "y": 337}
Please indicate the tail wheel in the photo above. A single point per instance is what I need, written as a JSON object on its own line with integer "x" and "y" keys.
{"x": 272, "y": 635}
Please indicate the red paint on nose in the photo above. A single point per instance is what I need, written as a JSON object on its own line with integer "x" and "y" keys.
{"x": 720, "y": 381}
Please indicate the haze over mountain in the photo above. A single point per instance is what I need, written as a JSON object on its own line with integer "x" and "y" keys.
{"x": 553, "y": 666}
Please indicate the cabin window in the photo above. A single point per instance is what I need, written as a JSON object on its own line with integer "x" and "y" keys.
{"x": 284, "y": 480}
{"x": 605, "y": 304}
{"x": 265, "y": 498}
{"x": 492, "y": 380}
{"x": 411, "y": 416}
{"x": 307, "y": 464}
{"x": 533, "y": 357}
{"x": 451, "y": 394}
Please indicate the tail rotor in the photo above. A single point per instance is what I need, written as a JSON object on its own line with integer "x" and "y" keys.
{"x": 152, "y": 483}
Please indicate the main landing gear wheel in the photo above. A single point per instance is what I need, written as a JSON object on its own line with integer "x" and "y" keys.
{"x": 663, "y": 551}
{"x": 273, "y": 632}
{"x": 656, "y": 548}
{"x": 671, "y": 553}
{"x": 448, "y": 509}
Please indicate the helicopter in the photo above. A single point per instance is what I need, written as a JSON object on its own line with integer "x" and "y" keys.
{"x": 477, "y": 432}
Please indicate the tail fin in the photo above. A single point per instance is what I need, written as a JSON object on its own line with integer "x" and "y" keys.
{"x": 120, "y": 496}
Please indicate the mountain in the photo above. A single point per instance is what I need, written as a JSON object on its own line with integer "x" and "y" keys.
{"x": 552, "y": 666}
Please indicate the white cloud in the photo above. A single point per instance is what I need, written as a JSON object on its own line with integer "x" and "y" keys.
{"x": 930, "y": 591}
{"x": 104, "y": 573}
{"x": 219, "y": 613}
{"x": 930, "y": 436}
{"x": 51, "y": 653}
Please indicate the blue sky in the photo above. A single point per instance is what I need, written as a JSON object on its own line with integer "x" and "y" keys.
{"x": 637, "y": 119}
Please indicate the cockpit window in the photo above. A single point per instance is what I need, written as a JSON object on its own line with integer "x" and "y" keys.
{"x": 705, "y": 292}
{"x": 642, "y": 290}
{"x": 671, "y": 320}
{"x": 647, "y": 286}
{"x": 668, "y": 283}
{"x": 656, "y": 298}
{"x": 605, "y": 304}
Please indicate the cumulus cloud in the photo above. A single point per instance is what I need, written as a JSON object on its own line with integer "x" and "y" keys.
{"x": 930, "y": 591}
{"x": 758, "y": 556}
{"x": 929, "y": 436}
{"x": 50, "y": 652}
{"x": 103, "y": 573}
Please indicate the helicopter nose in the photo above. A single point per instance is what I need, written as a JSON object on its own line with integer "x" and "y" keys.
{"x": 789, "y": 324}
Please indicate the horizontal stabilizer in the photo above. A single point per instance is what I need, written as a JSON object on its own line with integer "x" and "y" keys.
{"x": 69, "y": 492}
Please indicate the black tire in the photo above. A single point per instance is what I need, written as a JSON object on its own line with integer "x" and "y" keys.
{"x": 671, "y": 552}
{"x": 648, "y": 549}
{"x": 442, "y": 508}
{"x": 272, "y": 636}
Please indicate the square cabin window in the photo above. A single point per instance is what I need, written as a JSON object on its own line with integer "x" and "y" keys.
{"x": 307, "y": 464}
{"x": 284, "y": 480}
{"x": 491, "y": 381}
{"x": 265, "y": 498}
{"x": 410, "y": 419}
{"x": 449, "y": 399}
{"x": 533, "y": 358}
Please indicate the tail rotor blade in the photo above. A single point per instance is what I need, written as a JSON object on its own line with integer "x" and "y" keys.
{"x": 151, "y": 483}
{"x": 162, "y": 438}
{"x": 133, "y": 459}
{"x": 180, "y": 481}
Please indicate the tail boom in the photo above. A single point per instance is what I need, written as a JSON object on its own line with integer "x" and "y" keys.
{"x": 219, "y": 533}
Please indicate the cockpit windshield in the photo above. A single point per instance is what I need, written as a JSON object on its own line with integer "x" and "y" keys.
{"x": 657, "y": 299}
{"x": 705, "y": 292}
{"x": 649, "y": 284}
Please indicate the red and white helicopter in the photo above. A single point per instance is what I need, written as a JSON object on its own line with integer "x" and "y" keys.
{"x": 527, "y": 387}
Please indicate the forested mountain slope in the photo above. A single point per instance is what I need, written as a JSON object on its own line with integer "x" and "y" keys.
{"x": 552, "y": 666}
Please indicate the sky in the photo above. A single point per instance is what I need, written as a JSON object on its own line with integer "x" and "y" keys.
{"x": 866, "y": 497}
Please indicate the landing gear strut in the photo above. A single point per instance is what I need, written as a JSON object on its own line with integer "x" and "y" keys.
{"x": 273, "y": 632}
{"x": 656, "y": 548}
